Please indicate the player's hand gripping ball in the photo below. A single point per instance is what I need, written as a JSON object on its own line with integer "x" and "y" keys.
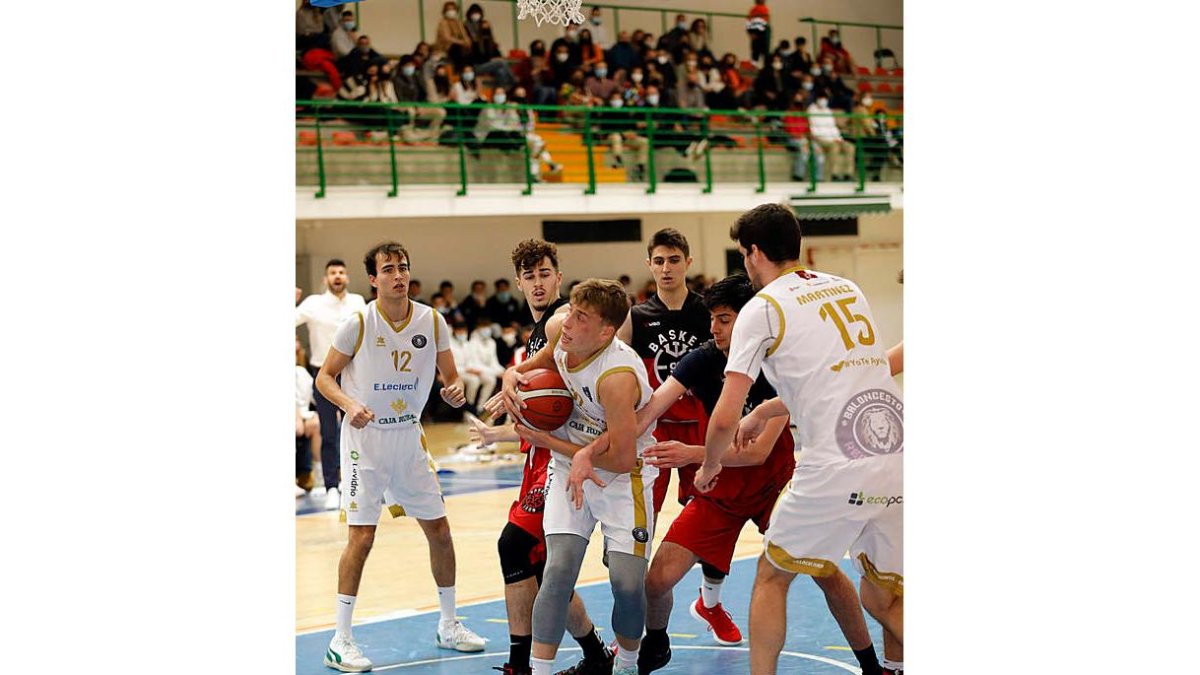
{"x": 548, "y": 401}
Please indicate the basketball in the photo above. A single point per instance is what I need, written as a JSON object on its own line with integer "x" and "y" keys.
{"x": 549, "y": 401}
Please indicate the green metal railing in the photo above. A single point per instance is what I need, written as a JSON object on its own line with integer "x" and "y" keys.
{"x": 815, "y": 44}
{"x": 351, "y": 143}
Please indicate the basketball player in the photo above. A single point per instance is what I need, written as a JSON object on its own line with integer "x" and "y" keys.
{"x": 522, "y": 543}
{"x": 608, "y": 383}
{"x": 383, "y": 363}
{"x": 814, "y": 337}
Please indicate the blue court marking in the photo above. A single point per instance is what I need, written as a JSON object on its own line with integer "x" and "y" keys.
{"x": 814, "y": 644}
{"x": 454, "y": 482}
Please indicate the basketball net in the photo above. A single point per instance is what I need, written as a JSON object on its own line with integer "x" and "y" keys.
{"x": 561, "y": 12}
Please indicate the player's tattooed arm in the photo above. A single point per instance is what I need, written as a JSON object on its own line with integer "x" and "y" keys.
{"x": 357, "y": 414}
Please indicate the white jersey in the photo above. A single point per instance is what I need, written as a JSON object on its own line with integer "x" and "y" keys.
{"x": 587, "y": 419}
{"x": 392, "y": 366}
{"x": 814, "y": 337}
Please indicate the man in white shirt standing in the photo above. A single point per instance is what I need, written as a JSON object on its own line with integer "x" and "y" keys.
{"x": 323, "y": 313}
{"x": 826, "y": 134}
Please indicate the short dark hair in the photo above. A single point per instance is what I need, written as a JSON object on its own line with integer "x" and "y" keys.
{"x": 347, "y": 12}
{"x": 624, "y": 279}
{"x": 479, "y": 282}
{"x": 605, "y": 296}
{"x": 387, "y": 249}
{"x": 669, "y": 237}
{"x": 734, "y": 291}
{"x": 530, "y": 252}
{"x": 406, "y": 59}
{"x": 499, "y": 281}
{"x": 414, "y": 281}
{"x": 334, "y": 262}
{"x": 442, "y": 286}
{"x": 773, "y": 228}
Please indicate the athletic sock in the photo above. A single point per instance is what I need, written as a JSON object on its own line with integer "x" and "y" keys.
{"x": 593, "y": 647}
{"x": 656, "y": 639}
{"x": 626, "y": 658}
{"x": 518, "y": 650}
{"x": 446, "y": 600}
{"x": 542, "y": 666}
{"x": 710, "y": 592}
{"x": 868, "y": 661}
{"x": 345, "y": 610}
{"x": 894, "y": 666}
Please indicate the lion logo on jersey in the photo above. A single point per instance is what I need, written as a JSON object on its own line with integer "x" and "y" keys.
{"x": 870, "y": 424}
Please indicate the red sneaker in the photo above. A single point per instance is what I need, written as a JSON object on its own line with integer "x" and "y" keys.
{"x": 719, "y": 622}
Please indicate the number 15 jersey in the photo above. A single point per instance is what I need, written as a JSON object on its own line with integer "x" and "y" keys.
{"x": 813, "y": 335}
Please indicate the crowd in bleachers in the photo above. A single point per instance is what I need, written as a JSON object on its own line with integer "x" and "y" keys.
{"x": 621, "y": 78}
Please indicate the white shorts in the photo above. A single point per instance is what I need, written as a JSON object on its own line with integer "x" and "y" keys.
{"x": 624, "y": 507}
{"x": 388, "y": 466}
{"x": 855, "y": 506}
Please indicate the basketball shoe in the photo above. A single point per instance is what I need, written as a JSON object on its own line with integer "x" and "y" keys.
{"x": 509, "y": 670}
{"x": 344, "y": 655}
{"x": 592, "y": 667}
{"x": 719, "y": 622}
{"x": 458, "y": 637}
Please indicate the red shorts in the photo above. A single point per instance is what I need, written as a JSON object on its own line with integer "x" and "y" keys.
{"x": 528, "y": 509}
{"x": 711, "y": 532}
{"x": 691, "y": 433}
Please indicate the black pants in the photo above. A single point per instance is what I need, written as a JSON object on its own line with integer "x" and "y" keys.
{"x": 331, "y": 455}
{"x": 303, "y": 456}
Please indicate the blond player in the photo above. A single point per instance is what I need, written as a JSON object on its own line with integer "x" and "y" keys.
{"x": 608, "y": 382}
{"x": 814, "y": 336}
{"x": 387, "y": 355}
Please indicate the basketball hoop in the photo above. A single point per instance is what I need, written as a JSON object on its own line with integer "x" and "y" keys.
{"x": 561, "y": 12}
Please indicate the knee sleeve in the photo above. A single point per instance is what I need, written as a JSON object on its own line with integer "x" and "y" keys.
{"x": 711, "y": 572}
{"x": 627, "y": 574}
{"x": 564, "y": 557}
{"x": 515, "y": 545}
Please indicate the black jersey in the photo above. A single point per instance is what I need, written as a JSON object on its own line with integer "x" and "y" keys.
{"x": 702, "y": 371}
{"x": 537, "y": 339}
{"x": 662, "y": 336}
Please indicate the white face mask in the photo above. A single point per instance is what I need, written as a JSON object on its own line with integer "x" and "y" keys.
{"x": 807, "y": 86}
{"x": 408, "y": 70}
{"x": 662, "y": 58}
{"x": 475, "y": 17}
{"x": 602, "y": 73}
{"x": 499, "y": 97}
{"x": 452, "y": 14}
{"x": 825, "y": 68}
{"x": 637, "y": 77}
{"x": 616, "y": 103}
{"x": 468, "y": 76}
{"x": 652, "y": 99}
{"x": 815, "y": 71}
{"x": 562, "y": 57}
{"x": 868, "y": 100}
{"x": 484, "y": 332}
{"x": 822, "y": 102}
{"x": 461, "y": 337}
{"x": 777, "y": 65}
{"x": 510, "y": 339}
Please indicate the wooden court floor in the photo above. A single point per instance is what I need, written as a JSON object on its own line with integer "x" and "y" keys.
{"x": 397, "y": 580}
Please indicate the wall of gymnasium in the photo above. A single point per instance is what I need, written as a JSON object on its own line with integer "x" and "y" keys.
{"x": 394, "y": 28}
{"x": 463, "y": 249}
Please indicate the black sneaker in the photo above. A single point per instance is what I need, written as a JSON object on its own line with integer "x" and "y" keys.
{"x": 651, "y": 660}
{"x": 593, "y": 667}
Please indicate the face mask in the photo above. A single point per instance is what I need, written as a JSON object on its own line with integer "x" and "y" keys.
{"x": 637, "y": 77}
{"x": 510, "y": 339}
{"x": 868, "y": 101}
{"x": 503, "y": 296}
{"x": 572, "y": 35}
{"x": 499, "y": 98}
{"x": 652, "y": 99}
{"x": 408, "y": 70}
{"x": 562, "y": 58}
{"x": 452, "y": 14}
{"x": 814, "y": 71}
{"x": 595, "y": 21}
{"x": 468, "y": 76}
{"x": 602, "y": 73}
{"x": 777, "y": 65}
{"x": 691, "y": 64}
{"x": 662, "y": 58}
{"x": 349, "y": 25}
{"x": 836, "y": 40}
{"x": 785, "y": 52}
{"x": 475, "y": 17}
{"x": 825, "y": 68}
{"x": 616, "y": 103}
{"x": 364, "y": 48}
{"x": 807, "y": 86}
{"x": 461, "y": 337}
{"x": 822, "y": 102}
{"x": 484, "y": 332}
{"x": 682, "y": 25}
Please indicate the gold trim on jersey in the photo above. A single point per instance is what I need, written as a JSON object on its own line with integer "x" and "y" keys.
{"x": 886, "y": 580}
{"x": 782, "y": 322}
{"x": 361, "y": 329}
{"x": 436, "y": 315}
{"x": 814, "y": 567}
{"x": 432, "y": 466}
{"x": 591, "y": 358}
{"x": 614, "y": 371}
{"x": 396, "y": 510}
{"x": 793, "y": 268}
{"x": 639, "y": 507}
{"x": 412, "y": 309}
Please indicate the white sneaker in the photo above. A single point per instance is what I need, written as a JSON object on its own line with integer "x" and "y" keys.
{"x": 333, "y": 499}
{"x": 459, "y": 638}
{"x": 344, "y": 655}
{"x": 300, "y": 492}
{"x": 631, "y": 670}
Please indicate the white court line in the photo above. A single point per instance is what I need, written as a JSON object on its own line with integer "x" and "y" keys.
{"x": 801, "y": 655}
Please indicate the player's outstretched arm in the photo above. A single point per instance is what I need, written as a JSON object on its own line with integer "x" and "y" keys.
{"x": 721, "y": 427}
{"x": 357, "y": 414}
{"x": 452, "y": 393}
{"x": 757, "y": 451}
{"x": 485, "y": 434}
{"x": 895, "y": 357}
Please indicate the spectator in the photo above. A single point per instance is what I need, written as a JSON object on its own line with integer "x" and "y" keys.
{"x": 600, "y": 85}
{"x": 800, "y": 60}
{"x": 832, "y": 46}
{"x": 310, "y": 28}
{"x": 597, "y": 27}
{"x": 734, "y": 82}
{"x": 575, "y": 93}
{"x": 807, "y": 89}
{"x": 541, "y": 76}
{"x": 717, "y": 93}
{"x": 502, "y": 307}
{"x": 758, "y": 27}
{"x": 589, "y": 51}
{"x": 506, "y": 344}
{"x": 464, "y": 362}
{"x": 498, "y": 127}
{"x": 617, "y": 127}
{"x": 839, "y": 153}
{"x": 439, "y": 303}
{"x": 379, "y": 85}
{"x": 863, "y": 129}
{"x": 489, "y": 62}
{"x": 357, "y": 61}
{"x": 474, "y": 19}
{"x": 632, "y": 90}
{"x": 690, "y": 93}
{"x": 893, "y": 140}
{"x": 483, "y": 361}
{"x": 570, "y": 40}
{"x": 410, "y": 89}
{"x": 320, "y": 59}
{"x": 841, "y": 97}
{"x": 771, "y": 86}
{"x": 675, "y": 39}
{"x": 472, "y": 306}
{"x": 308, "y": 426}
{"x": 537, "y": 147}
{"x": 561, "y": 65}
{"x": 698, "y": 40}
{"x": 354, "y": 88}
{"x": 465, "y": 92}
{"x": 438, "y": 87}
{"x": 663, "y": 65}
{"x": 342, "y": 37}
{"x": 414, "y": 289}
{"x": 452, "y": 36}
{"x": 798, "y": 140}
{"x": 623, "y": 54}
{"x": 446, "y": 290}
